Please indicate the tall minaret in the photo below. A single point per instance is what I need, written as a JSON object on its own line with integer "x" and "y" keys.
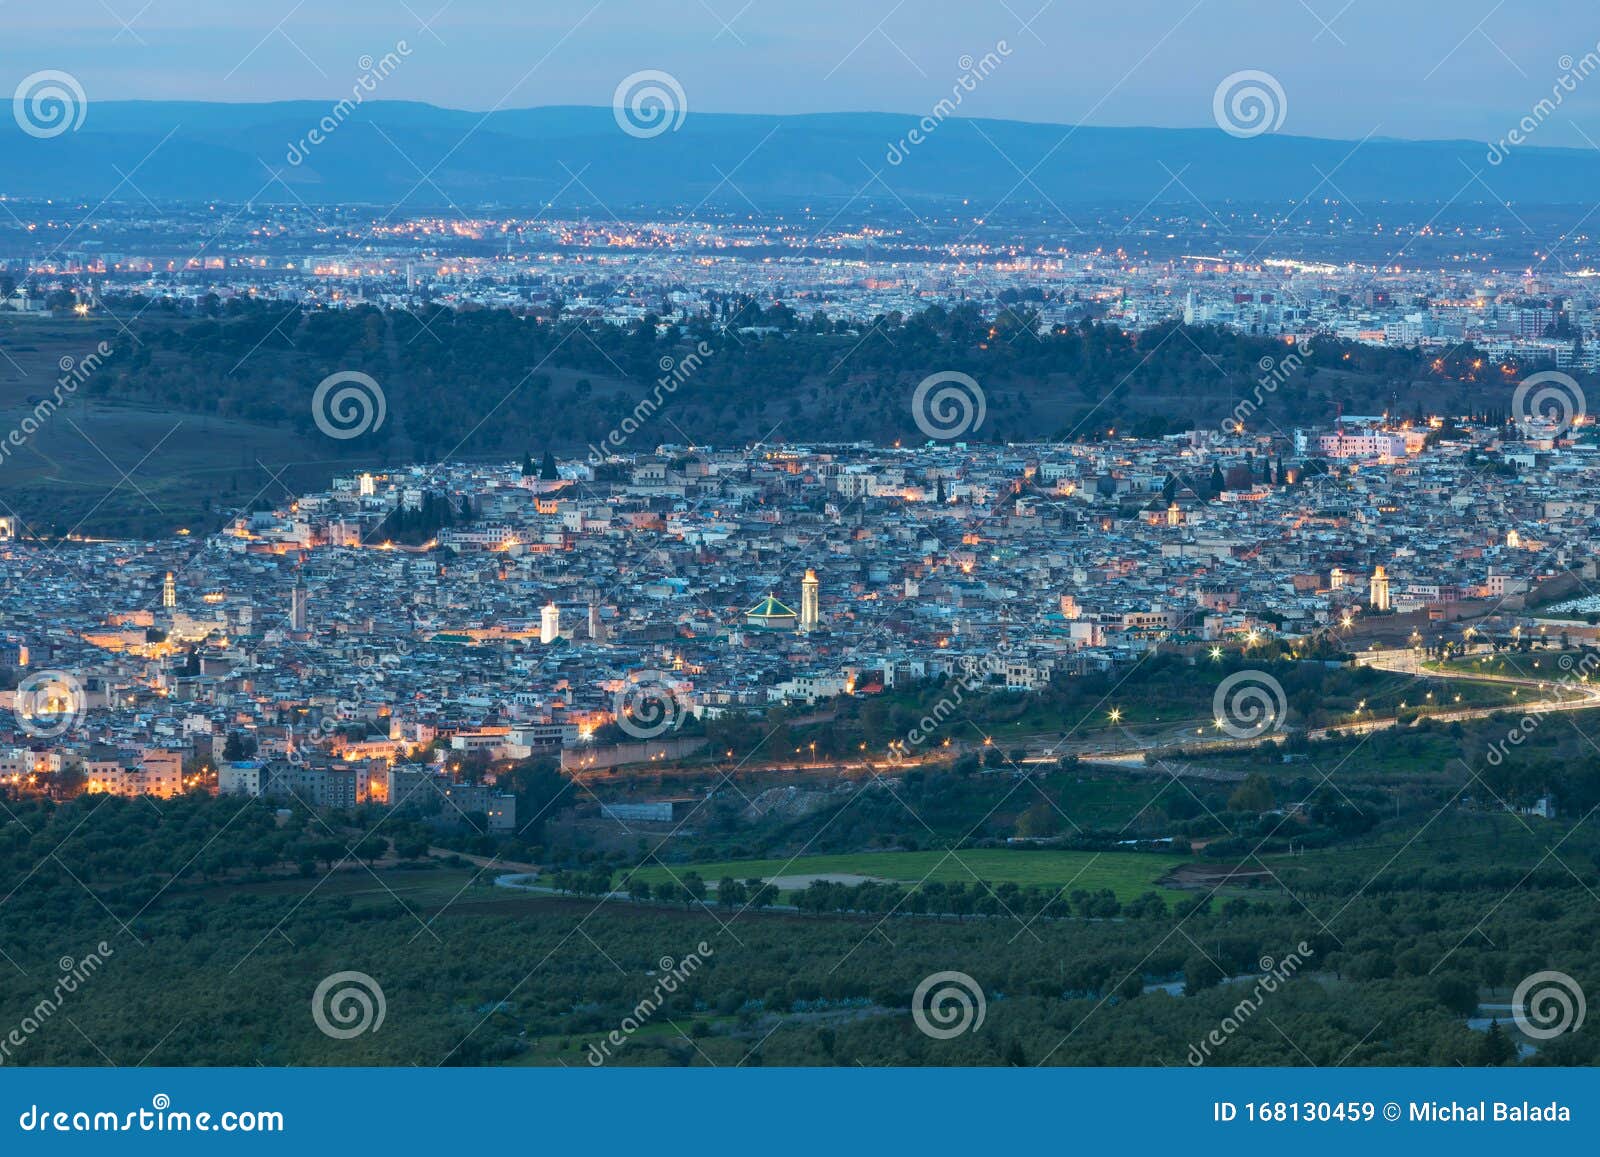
{"x": 597, "y": 630}
{"x": 549, "y": 624}
{"x": 810, "y": 601}
{"x": 1380, "y": 589}
{"x": 298, "y": 600}
{"x": 169, "y": 592}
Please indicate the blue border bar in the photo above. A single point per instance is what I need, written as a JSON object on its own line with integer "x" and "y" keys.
{"x": 757, "y": 1112}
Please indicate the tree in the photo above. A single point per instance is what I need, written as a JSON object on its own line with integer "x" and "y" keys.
{"x": 1253, "y": 795}
{"x": 540, "y": 790}
{"x": 1149, "y": 906}
{"x": 1039, "y": 820}
{"x": 1199, "y": 974}
{"x": 694, "y": 889}
{"x": 1496, "y": 1047}
{"x": 1457, "y": 993}
{"x": 239, "y": 747}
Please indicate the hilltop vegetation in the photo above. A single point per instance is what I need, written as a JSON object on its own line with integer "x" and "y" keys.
{"x": 552, "y": 377}
{"x": 222, "y": 393}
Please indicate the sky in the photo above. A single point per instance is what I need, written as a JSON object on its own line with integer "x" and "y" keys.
{"x": 1347, "y": 68}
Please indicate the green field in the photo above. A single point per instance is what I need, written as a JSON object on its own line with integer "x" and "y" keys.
{"x": 1128, "y": 874}
{"x": 1542, "y": 664}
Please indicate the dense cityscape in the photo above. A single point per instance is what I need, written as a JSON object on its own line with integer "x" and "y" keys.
{"x": 624, "y": 664}
{"x": 528, "y": 602}
{"x": 754, "y": 551}
{"x": 1283, "y": 272}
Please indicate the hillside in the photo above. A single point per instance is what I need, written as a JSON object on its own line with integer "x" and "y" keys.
{"x": 392, "y": 152}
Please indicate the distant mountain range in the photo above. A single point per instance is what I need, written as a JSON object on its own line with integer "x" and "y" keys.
{"x": 386, "y": 152}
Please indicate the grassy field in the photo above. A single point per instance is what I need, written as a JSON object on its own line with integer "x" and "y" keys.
{"x": 1128, "y": 874}
{"x": 1106, "y": 804}
{"x": 1552, "y": 665}
{"x": 1476, "y": 838}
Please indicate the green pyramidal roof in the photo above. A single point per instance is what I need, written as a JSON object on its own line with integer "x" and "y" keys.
{"x": 770, "y": 608}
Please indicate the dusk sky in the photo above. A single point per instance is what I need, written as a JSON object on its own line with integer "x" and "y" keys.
{"x": 1349, "y": 67}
